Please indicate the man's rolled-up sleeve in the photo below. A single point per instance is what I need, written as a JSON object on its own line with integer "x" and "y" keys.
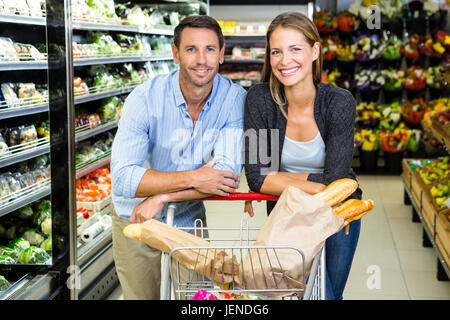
{"x": 130, "y": 146}
{"x": 228, "y": 147}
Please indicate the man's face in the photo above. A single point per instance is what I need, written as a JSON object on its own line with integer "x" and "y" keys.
{"x": 199, "y": 55}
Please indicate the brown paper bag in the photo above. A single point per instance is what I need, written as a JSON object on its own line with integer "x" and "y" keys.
{"x": 212, "y": 263}
{"x": 298, "y": 220}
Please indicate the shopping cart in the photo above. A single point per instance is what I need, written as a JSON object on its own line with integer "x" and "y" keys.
{"x": 314, "y": 288}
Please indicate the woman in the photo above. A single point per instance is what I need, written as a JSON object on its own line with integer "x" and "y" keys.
{"x": 309, "y": 131}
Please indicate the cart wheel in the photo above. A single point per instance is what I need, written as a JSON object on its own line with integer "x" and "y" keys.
{"x": 406, "y": 199}
{"x": 426, "y": 243}
{"x": 415, "y": 216}
{"x": 441, "y": 274}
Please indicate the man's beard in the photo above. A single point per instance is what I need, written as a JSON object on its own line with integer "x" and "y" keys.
{"x": 186, "y": 75}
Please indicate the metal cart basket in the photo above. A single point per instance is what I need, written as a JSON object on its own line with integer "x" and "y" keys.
{"x": 185, "y": 283}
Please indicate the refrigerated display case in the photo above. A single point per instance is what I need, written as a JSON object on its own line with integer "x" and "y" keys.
{"x": 87, "y": 59}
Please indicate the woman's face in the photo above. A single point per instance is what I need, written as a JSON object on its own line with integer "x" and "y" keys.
{"x": 291, "y": 56}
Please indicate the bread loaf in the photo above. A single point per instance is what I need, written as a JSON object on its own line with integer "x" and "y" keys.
{"x": 337, "y": 191}
{"x": 346, "y": 222}
{"x": 133, "y": 231}
{"x": 353, "y": 208}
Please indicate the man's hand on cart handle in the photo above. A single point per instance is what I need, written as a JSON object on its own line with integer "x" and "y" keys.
{"x": 148, "y": 209}
{"x": 214, "y": 181}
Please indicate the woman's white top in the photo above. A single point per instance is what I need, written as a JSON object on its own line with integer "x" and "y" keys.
{"x": 303, "y": 156}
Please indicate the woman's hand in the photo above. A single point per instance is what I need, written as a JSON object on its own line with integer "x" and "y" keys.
{"x": 148, "y": 209}
{"x": 248, "y": 207}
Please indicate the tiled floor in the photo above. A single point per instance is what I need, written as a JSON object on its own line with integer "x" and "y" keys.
{"x": 390, "y": 262}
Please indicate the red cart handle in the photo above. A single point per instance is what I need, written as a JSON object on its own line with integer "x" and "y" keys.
{"x": 244, "y": 196}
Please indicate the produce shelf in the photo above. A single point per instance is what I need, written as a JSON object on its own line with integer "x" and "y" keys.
{"x": 25, "y": 152}
{"x": 84, "y": 132}
{"x": 22, "y": 19}
{"x": 430, "y": 233}
{"x": 26, "y": 196}
{"x": 23, "y": 111}
{"x": 101, "y": 95}
{"x": 158, "y": 30}
{"x": 87, "y": 251}
{"x": 23, "y": 65}
{"x": 110, "y": 60}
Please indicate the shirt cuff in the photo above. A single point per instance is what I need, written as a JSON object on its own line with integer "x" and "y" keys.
{"x": 133, "y": 182}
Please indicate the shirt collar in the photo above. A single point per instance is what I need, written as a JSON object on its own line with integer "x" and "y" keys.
{"x": 179, "y": 98}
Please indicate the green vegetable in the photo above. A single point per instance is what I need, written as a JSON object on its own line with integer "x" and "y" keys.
{"x": 33, "y": 255}
{"x": 25, "y": 212}
{"x": 33, "y": 237}
{"x": 40, "y": 216}
{"x": 46, "y": 225}
{"x": 4, "y": 284}
{"x": 47, "y": 244}
{"x": 8, "y": 252}
{"x": 19, "y": 244}
{"x": 4, "y": 259}
{"x": 44, "y": 205}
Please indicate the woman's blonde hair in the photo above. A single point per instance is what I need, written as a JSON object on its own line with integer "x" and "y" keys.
{"x": 302, "y": 23}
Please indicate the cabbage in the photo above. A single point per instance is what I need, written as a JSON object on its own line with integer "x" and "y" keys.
{"x": 4, "y": 284}
{"x": 33, "y": 255}
{"x": 47, "y": 244}
{"x": 4, "y": 259}
{"x": 46, "y": 225}
{"x": 33, "y": 237}
{"x": 19, "y": 244}
{"x": 40, "y": 216}
{"x": 25, "y": 212}
{"x": 8, "y": 252}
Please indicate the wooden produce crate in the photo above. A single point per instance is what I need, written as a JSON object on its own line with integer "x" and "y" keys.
{"x": 443, "y": 235}
{"x": 406, "y": 172}
{"x": 428, "y": 210}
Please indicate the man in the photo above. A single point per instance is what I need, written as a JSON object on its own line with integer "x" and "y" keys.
{"x": 188, "y": 126}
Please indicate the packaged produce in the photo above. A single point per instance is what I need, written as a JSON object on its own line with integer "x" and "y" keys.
{"x": 4, "y": 189}
{"x": 43, "y": 130}
{"x": 4, "y": 284}
{"x": 33, "y": 237}
{"x": 4, "y": 149}
{"x": 13, "y": 136}
{"x": 47, "y": 244}
{"x": 21, "y": 7}
{"x": 79, "y": 86}
{"x": 7, "y": 251}
{"x": 44, "y": 205}
{"x": 19, "y": 244}
{"x": 35, "y": 7}
{"x": 4, "y": 259}
{"x": 25, "y": 212}
{"x": 8, "y": 95}
{"x": 28, "y": 134}
{"x": 14, "y": 185}
{"x": 46, "y": 225}
{"x": 39, "y": 216}
{"x": 26, "y": 90}
{"x": 27, "y": 52}
{"x": 39, "y": 175}
{"x": 33, "y": 255}
{"x": 7, "y": 50}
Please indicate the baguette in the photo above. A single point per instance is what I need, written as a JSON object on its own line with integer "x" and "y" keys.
{"x": 346, "y": 222}
{"x": 337, "y": 191}
{"x": 353, "y": 208}
{"x": 133, "y": 231}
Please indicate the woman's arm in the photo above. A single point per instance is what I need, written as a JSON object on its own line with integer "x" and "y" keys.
{"x": 276, "y": 182}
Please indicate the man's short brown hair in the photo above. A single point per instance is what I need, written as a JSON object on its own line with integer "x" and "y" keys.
{"x": 199, "y": 21}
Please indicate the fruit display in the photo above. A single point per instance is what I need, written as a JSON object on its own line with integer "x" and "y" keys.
{"x": 440, "y": 194}
{"x": 435, "y": 171}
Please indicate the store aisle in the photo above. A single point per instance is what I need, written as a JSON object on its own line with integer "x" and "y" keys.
{"x": 390, "y": 262}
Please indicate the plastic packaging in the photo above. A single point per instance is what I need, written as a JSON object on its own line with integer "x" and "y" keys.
{"x": 28, "y": 134}
{"x": 19, "y": 244}
{"x": 8, "y": 95}
{"x": 33, "y": 237}
{"x": 33, "y": 255}
{"x": 7, "y": 50}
